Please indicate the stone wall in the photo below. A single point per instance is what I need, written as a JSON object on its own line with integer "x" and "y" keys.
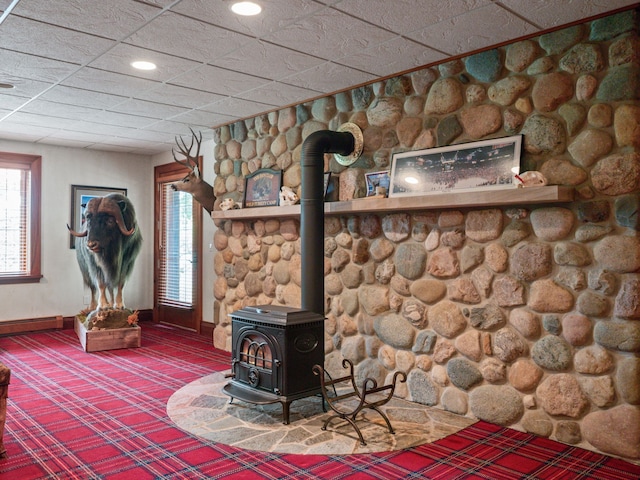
{"x": 527, "y": 317}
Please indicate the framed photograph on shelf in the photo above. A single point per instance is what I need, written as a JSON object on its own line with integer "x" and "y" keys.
{"x": 483, "y": 165}
{"x": 80, "y": 196}
{"x": 327, "y": 179}
{"x": 262, "y": 188}
{"x": 375, "y": 180}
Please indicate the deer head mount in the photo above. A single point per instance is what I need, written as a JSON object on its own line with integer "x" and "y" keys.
{"x": 193, "y": 183}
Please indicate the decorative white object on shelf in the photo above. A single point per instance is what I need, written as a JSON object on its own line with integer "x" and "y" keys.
{"x": 531, "y": 179}
{"x": 229, "y": 204}
{"x": 288, "y": 196}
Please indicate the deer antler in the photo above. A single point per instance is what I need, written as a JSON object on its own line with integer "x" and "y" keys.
{"x": 190, "y": 161}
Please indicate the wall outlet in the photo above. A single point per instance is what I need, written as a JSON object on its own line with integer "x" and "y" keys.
{"x": 86, "y": 300}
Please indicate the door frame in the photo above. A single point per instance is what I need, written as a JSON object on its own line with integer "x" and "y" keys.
{"x": 169, "y": 173}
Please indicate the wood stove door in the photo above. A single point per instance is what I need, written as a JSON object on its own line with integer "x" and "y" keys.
{"x": 257, "y": 359}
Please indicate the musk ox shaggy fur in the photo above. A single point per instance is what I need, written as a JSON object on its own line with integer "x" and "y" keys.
{"x": 107, "y": 248}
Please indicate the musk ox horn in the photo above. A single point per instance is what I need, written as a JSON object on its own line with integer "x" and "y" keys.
{"x": 114, "y": 209}
{"x": 76, "y": 234}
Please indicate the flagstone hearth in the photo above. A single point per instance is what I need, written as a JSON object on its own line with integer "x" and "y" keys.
{"x": 201, "y": 408}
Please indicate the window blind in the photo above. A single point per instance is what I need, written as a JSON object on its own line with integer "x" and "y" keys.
{"x": 176, "y": 256}
{"x": 15, "y": 208}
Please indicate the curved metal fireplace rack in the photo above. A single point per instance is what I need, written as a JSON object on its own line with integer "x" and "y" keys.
{"x": 342, "y": 403}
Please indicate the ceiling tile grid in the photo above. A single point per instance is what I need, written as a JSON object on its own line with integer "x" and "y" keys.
{"x": 69, "y": 60}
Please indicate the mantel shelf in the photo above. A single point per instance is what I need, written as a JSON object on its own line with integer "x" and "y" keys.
{"x": 483, "y": 198}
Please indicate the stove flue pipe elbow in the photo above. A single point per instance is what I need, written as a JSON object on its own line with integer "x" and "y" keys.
{"x": 312, "y": 211}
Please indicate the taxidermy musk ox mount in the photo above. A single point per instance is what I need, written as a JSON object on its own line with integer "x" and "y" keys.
{"x": 193, "y": 183}
{"x": 107, "y": 248}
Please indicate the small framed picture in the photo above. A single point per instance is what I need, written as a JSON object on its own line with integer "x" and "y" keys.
{"x": 483, "y": 165}
{"x": 262, "y": 188}
{"x": 375, "y": 180}
{"x": 327, "y": 179}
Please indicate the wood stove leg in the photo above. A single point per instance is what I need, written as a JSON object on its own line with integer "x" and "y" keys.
{"x": 285, "y": 412}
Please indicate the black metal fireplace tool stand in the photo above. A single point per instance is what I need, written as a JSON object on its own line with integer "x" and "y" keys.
{"x": 343, "y": 403}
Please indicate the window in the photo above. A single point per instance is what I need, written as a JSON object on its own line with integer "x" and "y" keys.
{"x": 177, "y": 266}
{"x": 20, "y": 180}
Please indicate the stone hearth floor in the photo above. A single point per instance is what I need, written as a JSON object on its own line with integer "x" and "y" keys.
{"x": 201, "y": 408}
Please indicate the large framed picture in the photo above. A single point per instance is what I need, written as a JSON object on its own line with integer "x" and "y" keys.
{"x": 483, "y": 165}
{"x": 80, "y": 196}
{"x": 262, "y": 188}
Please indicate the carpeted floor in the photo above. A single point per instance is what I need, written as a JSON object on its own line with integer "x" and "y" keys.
{"x": 75, "y": 415}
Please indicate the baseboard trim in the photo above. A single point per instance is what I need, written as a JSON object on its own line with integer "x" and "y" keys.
{"x": 13, "y": 327}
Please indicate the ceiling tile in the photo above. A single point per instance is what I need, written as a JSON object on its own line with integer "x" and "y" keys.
{"x": 11, "y": 102}
{"x": 203, "y": 118}
{"x": 407, "y": 15}
{"x": 189, "y": 38}
{"x": 552, "y": 13}
{"x": 59, "y": 110}
{"x": 24, "y": 87}
{"x": 37, "y": 38}
{"x": 279, "y": 94}
{"x": 80, "y": 97}
{"x": 114, "y": 19}
{"x": 119, "y": 59}
{"x": 24, "y": 132}
{"x": 329, "y": 34}
{"x": 444, "y": 36}
{"x": 180, "y": 96}
{"x": 148, "y": 109}
{"x": 266, "y": 60}
{"x": 389, "y": 58}
{"x": 16, "y": 64}
{"x": 102, "y": 129}
{"x": 218, "y": 80}
{"x": 119, "y": 119}
{"x": 329, "y": 77}
{"x": 39, "y": 120}
{"x": 236, "y": 107}
{"x": 180, "y": 128}
{"x": 108, "y": 82}
{"x": 277, "y": 14}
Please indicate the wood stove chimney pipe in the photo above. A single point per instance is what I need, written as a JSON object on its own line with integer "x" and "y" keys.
{"x": 312, "y": 211}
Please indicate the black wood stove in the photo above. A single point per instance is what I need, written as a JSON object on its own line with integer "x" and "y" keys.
{"x": 274, "y": 349}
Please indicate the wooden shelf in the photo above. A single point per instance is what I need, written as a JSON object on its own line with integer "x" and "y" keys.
{"x": 484, "y": 198}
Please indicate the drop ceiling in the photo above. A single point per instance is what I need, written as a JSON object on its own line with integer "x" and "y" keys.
{"x": 69, "y": 60}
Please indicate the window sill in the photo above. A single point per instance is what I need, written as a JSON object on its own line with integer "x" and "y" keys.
{"x": 14, "y": 279}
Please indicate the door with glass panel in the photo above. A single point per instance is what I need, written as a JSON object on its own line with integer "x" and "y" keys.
{"x": 177, "y": 252}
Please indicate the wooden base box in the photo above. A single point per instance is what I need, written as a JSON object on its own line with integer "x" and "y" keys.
{"x": 108, "y": 339}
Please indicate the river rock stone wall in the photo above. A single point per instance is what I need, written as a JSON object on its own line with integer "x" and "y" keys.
{"x": 527, "y": 317}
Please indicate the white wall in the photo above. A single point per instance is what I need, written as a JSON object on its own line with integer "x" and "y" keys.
{"x": 208, "y": 228}
{"x": 61, "y": 291}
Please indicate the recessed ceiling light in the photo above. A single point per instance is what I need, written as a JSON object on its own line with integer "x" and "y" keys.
{"x": 246, "y": 8}
{"x": 7, "y": 85}
{"x": 142, "y": 65}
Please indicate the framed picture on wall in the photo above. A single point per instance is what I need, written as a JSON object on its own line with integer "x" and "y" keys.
{"x": 327, "y": 179}
{"x": 375, "y": 180}
{"x": 80, "y": 196}
{"x": 483, "y": 165}
{"x": 262, "y": 188}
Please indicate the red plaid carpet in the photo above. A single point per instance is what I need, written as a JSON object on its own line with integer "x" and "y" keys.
{"x": 74, "y": 415}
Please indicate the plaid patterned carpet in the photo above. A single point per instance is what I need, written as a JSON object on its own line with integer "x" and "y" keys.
{"x": 74, "y": 415}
